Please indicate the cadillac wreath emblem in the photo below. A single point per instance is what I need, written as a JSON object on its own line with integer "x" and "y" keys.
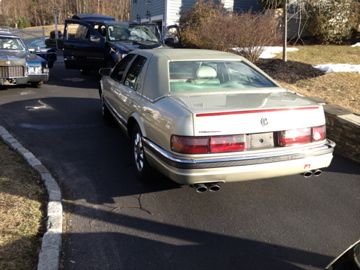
{"x": 264, "y": 121}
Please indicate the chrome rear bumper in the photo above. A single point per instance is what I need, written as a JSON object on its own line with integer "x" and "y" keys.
{"x": 240, "y": 166}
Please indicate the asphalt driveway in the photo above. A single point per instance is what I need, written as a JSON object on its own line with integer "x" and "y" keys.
{"x": 116, "y": 222}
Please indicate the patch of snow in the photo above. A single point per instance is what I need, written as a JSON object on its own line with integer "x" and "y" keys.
{"x": 329, "y": 68}
{"x": 356, "y": 45}
{"x": 272, "y": 51}
{"x": 269, "y": 52}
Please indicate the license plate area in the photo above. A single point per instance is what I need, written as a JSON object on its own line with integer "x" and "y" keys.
{"x": 260, "y": 140}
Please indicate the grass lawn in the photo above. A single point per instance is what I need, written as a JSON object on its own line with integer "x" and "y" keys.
{"x": 325, "y": 54}
{"x": 46, "y": 28}
{"x": 22, "y": 209}
{"x": 298, "y": 74}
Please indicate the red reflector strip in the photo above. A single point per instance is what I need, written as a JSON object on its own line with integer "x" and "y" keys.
{"x": 257, "y": 111}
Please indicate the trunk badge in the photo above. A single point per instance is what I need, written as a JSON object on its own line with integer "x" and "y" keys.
{"x": 264, "y": 121}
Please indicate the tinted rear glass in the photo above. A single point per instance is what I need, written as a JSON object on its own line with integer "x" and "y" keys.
{"x": 215, "y": 75}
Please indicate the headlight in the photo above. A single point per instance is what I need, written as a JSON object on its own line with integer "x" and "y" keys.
{"x": 34, "y": 70}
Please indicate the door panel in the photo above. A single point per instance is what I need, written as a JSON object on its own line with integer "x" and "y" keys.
{"x": 83, "y": 46}
{"x": 128, "y": 90}
{"x": 115, "y": 79}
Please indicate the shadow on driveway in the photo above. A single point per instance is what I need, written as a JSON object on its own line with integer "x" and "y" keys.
{"x": 177, "y": 247}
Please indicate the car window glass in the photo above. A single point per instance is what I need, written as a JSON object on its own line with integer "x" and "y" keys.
{"x": 14, "y": 44}
{"x": 120, "y": 68}
{"x": 136, "y": 33}
{"x": 132, "y": 76}
{"x": 101, "y": 29}
{"x": 76, "y": 31}
{"x": 193, "y": 76}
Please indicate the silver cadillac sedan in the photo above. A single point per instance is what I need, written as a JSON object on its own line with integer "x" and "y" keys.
{"x": 204, "y": 117}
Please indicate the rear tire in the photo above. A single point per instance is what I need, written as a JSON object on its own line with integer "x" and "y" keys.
{"x": 142, "y": 167}
{"x": 36, "y": 84}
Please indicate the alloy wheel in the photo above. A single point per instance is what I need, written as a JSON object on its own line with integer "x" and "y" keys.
{"x": 138, "y": 152}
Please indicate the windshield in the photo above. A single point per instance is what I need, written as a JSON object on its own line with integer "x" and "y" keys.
{"x": 11, "y": 44}
{"x": 137, "y": 33}
{"x": 195, "y": 76}
{"x": 35, "y": 43}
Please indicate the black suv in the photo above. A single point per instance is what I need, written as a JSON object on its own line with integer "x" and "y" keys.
{"x": 92, "y": 41}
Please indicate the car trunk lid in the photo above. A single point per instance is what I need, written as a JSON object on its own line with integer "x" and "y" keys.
{"x": 251, "y": 112}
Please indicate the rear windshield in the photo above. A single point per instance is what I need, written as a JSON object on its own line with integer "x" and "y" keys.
{"x": 194, "y": 76}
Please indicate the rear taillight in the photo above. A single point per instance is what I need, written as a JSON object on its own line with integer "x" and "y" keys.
{"x": 295, "y": 136}
{"x": 189, "y": 145}
{"x": 301, "y": 136}
{"x": 204, "y": 145}
{"x": 319, "y": 133}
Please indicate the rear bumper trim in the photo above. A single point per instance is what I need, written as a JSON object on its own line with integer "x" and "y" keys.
{"x": 243, "y": 159}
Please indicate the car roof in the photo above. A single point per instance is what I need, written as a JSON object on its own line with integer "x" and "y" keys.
{"x": 93, "y": 17}
{"x": 189, "y": 54}
{"x": 6, "y": 33}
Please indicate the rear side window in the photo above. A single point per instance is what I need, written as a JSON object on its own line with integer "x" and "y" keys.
{"x": 132, "y": 77}
{"x": 76, "y": 31}
{"x": 120, "y": 68}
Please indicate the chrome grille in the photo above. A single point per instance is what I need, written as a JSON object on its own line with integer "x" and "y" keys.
{"x": 12, "y": 71}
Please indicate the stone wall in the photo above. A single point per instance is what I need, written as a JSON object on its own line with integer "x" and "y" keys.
{"x": 343, "y": 127}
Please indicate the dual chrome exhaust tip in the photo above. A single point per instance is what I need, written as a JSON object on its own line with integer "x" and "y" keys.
{"x": 213, "y": 187}
{"x": 201, "y": 188}
{"x": 315, "y": 173}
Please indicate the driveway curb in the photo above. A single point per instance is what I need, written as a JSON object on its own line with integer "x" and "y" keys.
{"x": 49, "y": 256}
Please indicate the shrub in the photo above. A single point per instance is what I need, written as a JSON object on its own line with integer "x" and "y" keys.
{"x": 356, "y": 19}
{"x": 253, "y": 31}
{"x": 332, "y": 20}
{"x": 3, "y": 20}
{"x": 192, "y": 22}
{"x": 23, "y": 23}
{"x": 271, "y": 4}
{"x": 209, "y": 26}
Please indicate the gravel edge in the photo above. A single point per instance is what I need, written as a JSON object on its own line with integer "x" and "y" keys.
{"x": 49, "y": 256}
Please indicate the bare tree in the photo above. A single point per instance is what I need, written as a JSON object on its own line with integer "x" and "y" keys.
{"x": 41, "y": 12}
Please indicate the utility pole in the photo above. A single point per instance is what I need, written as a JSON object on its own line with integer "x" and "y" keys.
{"x": 285, "y": 31}
{"x": 56, "y": 13}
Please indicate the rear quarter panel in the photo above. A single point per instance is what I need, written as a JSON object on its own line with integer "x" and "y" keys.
{"x": 163, "y": 118}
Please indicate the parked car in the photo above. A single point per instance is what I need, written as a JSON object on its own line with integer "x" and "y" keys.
{"x": 17, "y": 64}
{"x": 92, "y": 41}
{"x": 39, "y": 47}
{"x": 206, "y": 117}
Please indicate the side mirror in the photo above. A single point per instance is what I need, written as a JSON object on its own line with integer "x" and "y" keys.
{"x": 172, "y": 36}
{"x": 105, "y": 71}
{"x": 170, "y": 42}
{"x": 95, "y": 39}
